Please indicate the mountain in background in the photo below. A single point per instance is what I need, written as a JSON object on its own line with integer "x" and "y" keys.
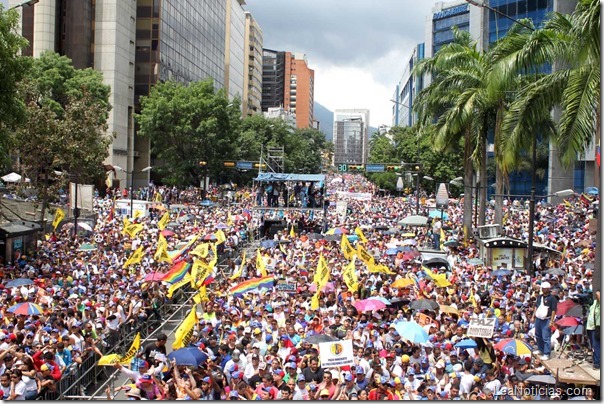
{"x": 325, "y": 118}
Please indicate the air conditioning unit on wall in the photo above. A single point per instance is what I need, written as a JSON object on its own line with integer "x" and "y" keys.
{"x": 490, "y": 231}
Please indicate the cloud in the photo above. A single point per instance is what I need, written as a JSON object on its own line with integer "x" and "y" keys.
{"x": 357, "y": 47}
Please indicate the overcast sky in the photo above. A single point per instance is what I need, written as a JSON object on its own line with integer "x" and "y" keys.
{"x": 357, "y": 48}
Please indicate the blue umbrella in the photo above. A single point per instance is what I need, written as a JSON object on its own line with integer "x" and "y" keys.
{"x": 268, "y": 244}
{"x": 591, "y": 191}
{"x": 353, "y": 237}
{"x": 222, "y": 226}
{"x": 411, "y": 331}
{"x": 381, "y": 299}
{"x": 19, "y": 282}
{"x": 466, "y": 344}
{"x": 501, "y": 272}
{"x": 391, "y": 251}
{"x": 206, "y": 202}
{"x": 475, "y": 261}
{"x": 191, "y": 356}
{"x": 437, "y": 213}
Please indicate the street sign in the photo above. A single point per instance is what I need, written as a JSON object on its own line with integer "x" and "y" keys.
{"x": 374, "y": 168}
{"x": 245, "y": 165}
{"x": 343, "y": 168}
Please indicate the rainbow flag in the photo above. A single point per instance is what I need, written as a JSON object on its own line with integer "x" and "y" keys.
{"x": 177, "y": 272}
{"x": 177, "y": 255}
{"x": 254, "y": 283}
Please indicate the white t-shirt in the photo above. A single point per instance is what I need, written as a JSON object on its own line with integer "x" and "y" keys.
{"x": 20, "y": 390}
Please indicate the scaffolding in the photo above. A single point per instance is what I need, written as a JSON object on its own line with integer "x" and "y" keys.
{"x": 273, "y": 160}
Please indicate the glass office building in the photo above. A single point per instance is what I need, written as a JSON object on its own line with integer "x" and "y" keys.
{"x": 444, "y": 20}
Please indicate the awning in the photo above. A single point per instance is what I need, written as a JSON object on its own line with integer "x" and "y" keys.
{"x": 269, "y": 177}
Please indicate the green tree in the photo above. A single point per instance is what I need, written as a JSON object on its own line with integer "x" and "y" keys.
{"x": 382, "y": 150}
{"x": 13, "y": 69}
{"x": 65, "y": 128}
{"x": 189, "y": 123}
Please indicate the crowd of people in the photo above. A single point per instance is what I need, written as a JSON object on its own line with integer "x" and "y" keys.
{"x": 261, "y": 345}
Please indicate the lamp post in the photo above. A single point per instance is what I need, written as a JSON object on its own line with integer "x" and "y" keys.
{"x": 131, "y": 173}
{"x": 25, "y": 3}
{"x": 528, "y": 262}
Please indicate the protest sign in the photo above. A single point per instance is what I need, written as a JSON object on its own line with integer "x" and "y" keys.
{"x": 481, "y": 327}
{"x": 335, "y": 354}
{"x": 288, "y": 287}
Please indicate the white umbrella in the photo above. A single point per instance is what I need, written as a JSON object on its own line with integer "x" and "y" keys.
{"x": 414, "y": 220}
{"x": 85, "y": 226}
{"x": 13, "y": 177}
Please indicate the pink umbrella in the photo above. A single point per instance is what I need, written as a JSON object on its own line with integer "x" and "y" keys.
{"x": 154, "y": 277}
{"x": 167, "y": 233}
{"x": 568, "y": 322}
{"x": 329, "y": 287}
{"x": 369, "y": 305}
{"x": 239, "y": 218}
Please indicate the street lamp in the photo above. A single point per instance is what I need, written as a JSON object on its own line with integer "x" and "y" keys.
{"x": 483, "y": 5}
{"x": 459, "y": 182}
{"x": 25, "y": 3}
{"x": 131, "y": 173}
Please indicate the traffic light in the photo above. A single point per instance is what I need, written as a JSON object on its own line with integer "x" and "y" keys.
{"x": 257, "y": 165}
{"x": 393, "y": 168}
{"x": 203, "y": 164}
{"x": 356, "y": 168}
{"x": 229, "y": 164}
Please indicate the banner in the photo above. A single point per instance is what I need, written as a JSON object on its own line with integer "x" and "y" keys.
{"x": 182, "y": 336}
{"x": 59, "y": 216}
{"x": 349, "y": 275}
{"x": 359, "y": 196}
{"x": 481, "y": 327}
{"x": 287, "y": 287}
{"x": 335, "y": 354}
{"x": 165, "y": 219}
{"x": 347, "y": 249}
{"x": 110, "y": 360}
{"x": 341, "y": 210}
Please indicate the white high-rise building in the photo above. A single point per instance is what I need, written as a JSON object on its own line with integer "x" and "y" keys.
{"x": 351, "y": 136}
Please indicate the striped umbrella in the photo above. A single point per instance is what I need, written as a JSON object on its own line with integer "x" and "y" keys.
{"x": 26, "y": 309}
{"x": 513, "y": 346}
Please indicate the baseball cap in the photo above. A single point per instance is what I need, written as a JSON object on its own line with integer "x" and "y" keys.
{"x": 349, "y": 377}
{"x": 324, "y": 392}
{"x": 301, "y": 378}
{"x": 234, "y": 394}
{"x": 546, "y": 285}
{"x": 262, "y": 366}
{"x": 206, "y": 379}
{"x": 44, "y": 367}
{"x": 279, "y": 372}
{"x": 360, "y": 371}
{"x": 247, "y": 330}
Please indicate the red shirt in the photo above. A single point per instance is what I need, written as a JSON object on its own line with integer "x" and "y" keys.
{"x": 380, "y": 395}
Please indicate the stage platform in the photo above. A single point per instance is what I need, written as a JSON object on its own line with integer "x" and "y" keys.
{"x": 567, "y": 371}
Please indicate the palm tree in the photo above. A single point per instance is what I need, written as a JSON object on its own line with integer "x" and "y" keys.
{"x": 571, "y": 43}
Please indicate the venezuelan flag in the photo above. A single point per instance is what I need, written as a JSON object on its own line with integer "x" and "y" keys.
{"x": 254, "y": 283}
{"x": 177, "y": 272}
{"x": 177, "y": 255}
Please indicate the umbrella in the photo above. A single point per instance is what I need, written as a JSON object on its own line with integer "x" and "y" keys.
{"x": 568, "y": 322}
{"x": 439, "y": 213}
{"x": 575, "y": 311}
{"x": 318, "y": 338}
{"x": 448, "y": 309}
{"x": 13, "y": 177}
{"x": 414, "y": 220}
{"x": 85, "y": 226}
{"x": 239, "y": 218}
{"x": 268, "y": 244}
{"x": 87, "y": 247}
{"x": 425, "y": 304}
{"x": 408, "y": 234}
{"x": 154, "y": 277}
{"x": 222, "y": 226}
{"x": 501, "y": 272}
{"x": 210, "y": 237}
{"x": 333, "y": 237}
{"x": 555, "y": 271}
{"x": 19, "y": 282}
{"x": 591, "y": 191}
{"x": 369, "y": 305}
{"x": 353, "y": 237}
{"x": 381, "y": 299}
{"x": 578, "y": 330}
{"x": 337, "y": 230}
{"x": 26, "y": 309}
{"x": 451, "y": 243}
{"x": 329, "y": 287}
{"x": 315, "y": 236}
{"x": 475, "y": 261}
{"x": 436, "y": 261}
{"x": 391, "y": 251}
{"x": 466, "y": 344}
{"x": 184, "y": 218}
{"x": 167, "y": 233}
{"x": 513, "y": 346}
{"x": 188, "y": 356}
{"x": 565, "y": 306}
{"x": 411, "y": 331}
{"x": 173, "y": 224}
{"x": 403, "y": 283}
{"x": 409, "y": 242}
{"x": 206, "y": 202}
{"x": 546, "y": 379}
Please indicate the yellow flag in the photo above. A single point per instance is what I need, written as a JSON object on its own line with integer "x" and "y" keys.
{"x": 183, "y": 334}
{"x": 201, "y": 250}
{"x": 282, "y": 249}
{"x": 347, "y": 249}
{"x": 59, "y": 216}
{"x": 229, "y": 220}
{"x": 175, "y": 286}
{"x": 201, "y": 296}
{"x": 133, "y": 229}
{"x": 443, "y": 238}
{"x": 165, "y": 219}
{"x": 439, "y": 279}
{"x": 359, "y": 233}
{"x": 220, "y": 236}
{"x": 314, "y": 302}
{"x": 135, "y": 258}
{"x": 365, "y": 256}
{"x": 161, "y": 254}
{"x": 214, "y": 259}
{"x": 131, "y": 353}
{"x": 472, "y": 298}
{"x": 109, "y": 360}
{"x": 137, "y": 214}
{"x": 157, "y": 197}
{"x": 292, "y": 233}
{"x": 260, "y": 265}
{"x": 126, "y": 224}
{"x": 322, "y": 274}
{"x": 380, "y": 268}
{"x": 349, "y": 275}
{"x": 239, "y": 270}
{"x": 199, "y": 272}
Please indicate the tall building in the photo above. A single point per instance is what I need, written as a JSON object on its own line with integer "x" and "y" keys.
{"x": 350, "y": 136}
{"x": 136, "y": 44}
{"x": 288, "y": 82}
{"x": 279, "y": 113}
{"x": 406, "y": 90}
{"x": 252, "y": 77}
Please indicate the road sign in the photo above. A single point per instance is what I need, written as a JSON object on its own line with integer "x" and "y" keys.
{"x": 374, "y": 168}
{"x": 245, "y": 165}
{"x": 343, "y": 168}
